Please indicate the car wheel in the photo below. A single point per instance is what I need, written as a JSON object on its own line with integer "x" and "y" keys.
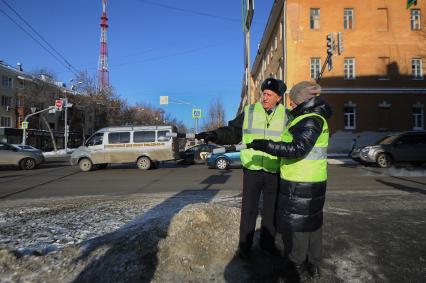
{"x": 222, "y": 164}
{"x": 384, "y": 160}
{"x": 102, "y": 165}
{"x": 27, "y": 164}
{"x": 85, "y": 164}
{"x": 143, "y": 163}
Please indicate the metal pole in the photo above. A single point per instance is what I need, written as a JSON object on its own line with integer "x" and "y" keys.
{"x": 250, "y": 99}
{"x": 65, "y": 129}
{"x": 28, "y": 116}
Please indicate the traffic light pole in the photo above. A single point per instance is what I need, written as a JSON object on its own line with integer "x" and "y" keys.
{"x": 329, "y": 56}
{"x": 24, "y": 132}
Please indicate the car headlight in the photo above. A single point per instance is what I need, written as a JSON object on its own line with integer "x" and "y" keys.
{"x": 366, "y": 149}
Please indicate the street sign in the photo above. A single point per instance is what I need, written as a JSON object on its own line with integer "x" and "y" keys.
{"x": 24, "y": 125}
{"x": 58, "y": 104}
{"x": 248, "y": 10}
{"x": 33, "y": 109}
{"x": 164, "y": 100}
{"x": 196, "y": 113}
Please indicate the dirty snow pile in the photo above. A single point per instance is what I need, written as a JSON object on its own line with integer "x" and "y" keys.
{"x": 154, "y": 243}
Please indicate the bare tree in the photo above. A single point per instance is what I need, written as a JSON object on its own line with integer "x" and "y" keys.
{"x": 216, "y": 116}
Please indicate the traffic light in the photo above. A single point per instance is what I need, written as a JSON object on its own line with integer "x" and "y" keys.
{"x": 330, "y": 44}
{"x": 411, "y": 3}
{"x": 339, "y": 43}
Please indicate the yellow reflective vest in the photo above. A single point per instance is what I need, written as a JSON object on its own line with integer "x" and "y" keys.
{"x": 259, "y": 125}
{"x": 313, "y": 166}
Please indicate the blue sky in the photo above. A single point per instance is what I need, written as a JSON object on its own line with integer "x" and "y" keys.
{"x": 190, "y": 50}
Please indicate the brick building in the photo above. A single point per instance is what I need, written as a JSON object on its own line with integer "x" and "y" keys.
{"x": 376, "y": 86}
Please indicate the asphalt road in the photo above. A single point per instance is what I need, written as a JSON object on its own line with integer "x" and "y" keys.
{"x": 58, "y": 179}
{"x": 374, "y": 223}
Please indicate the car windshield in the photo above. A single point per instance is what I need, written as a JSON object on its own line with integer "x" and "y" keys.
{"x": 387, "y": 140}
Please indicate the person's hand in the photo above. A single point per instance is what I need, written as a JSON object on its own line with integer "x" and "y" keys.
{"x": 206, "y": 136}
{"x": 260, "y": 145}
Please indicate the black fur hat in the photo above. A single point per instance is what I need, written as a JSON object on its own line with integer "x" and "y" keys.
{"x": 277, "y": 86}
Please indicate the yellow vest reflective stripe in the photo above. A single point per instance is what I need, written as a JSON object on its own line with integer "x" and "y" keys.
{"x": 313, "y": 166}
{"x": 255, "y": 127}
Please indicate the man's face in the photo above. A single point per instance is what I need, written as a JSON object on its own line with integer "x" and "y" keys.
{"x": 270, "y": 99}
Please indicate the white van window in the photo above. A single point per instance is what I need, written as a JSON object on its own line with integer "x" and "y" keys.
{"x": 144, "y": 136}
{"x": 161, "y": 136}
{"x": 95, "y": 139}
{"x": 122, "y": 137}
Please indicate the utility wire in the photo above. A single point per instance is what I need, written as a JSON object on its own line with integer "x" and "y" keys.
{"x": 67, "y": 63}
{"x": 190, "y": 11}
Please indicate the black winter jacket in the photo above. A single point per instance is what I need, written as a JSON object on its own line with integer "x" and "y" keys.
{"x": 300, "y": 204}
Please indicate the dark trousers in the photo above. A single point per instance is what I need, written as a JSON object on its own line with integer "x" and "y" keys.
{"x": 301, "y": 246}
{"x": 255, "y": 183}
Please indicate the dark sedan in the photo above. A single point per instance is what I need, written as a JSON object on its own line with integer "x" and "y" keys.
{"x": 197, "y": 154}
{"x": 403, "y": 147}
{"x": 224, "y": 160}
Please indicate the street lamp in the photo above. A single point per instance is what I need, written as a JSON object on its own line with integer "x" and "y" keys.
{"x": 165, "y": 100}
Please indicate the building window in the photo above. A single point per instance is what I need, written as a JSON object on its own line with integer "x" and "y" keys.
{"x": 6, "y": 82}
{"x": 280, "y": 73}
{"x": 415, "y": 19}
{"x": 350, "y": 116}
{"x": 417, "y": 68}
{"x": 281, "y": 30}
{"x": 6, "y": 101}
{"x": 348, "y": 18}
{"x": 5, "y": 122}
{"x": 418, "y": 118}
{"x": 276, "y": 43}
{"x": 349, "y": 68}
{"x": 315, "y": 18}
{"x": 315, "y": 67}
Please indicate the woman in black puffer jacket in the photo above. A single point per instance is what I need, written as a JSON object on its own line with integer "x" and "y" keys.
{"x": 299, "y": 214}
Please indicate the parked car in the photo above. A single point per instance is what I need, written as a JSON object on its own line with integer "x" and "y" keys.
{"x": 24, "y": 159}
{"x": 27, "y": 148}
{"x": 197, "y": 154}
{"x": 403, "y": 147}
{"x": 224, "y": 160}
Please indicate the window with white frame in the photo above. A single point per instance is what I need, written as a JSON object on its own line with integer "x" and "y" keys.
{"x": 6, "y": 81}
{"x": 6, "y": 101}
{"x": 280, "y": 73}
{"x": 315, "y": 67}
{"x": 314, "y": 18}
{"x": 348, "y": 18}
{"x": 349, "y": 113}
{"x": 281, "y": 30}
{"x": 415, "y": 19}
{"x": 5, "y": 122}
{"x": 418, "y": 117}
{"x": 417, "y": 68}
{"x": 349, "y": 68}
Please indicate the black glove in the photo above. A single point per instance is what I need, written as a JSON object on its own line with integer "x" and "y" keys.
{"x": 260, "y": 145}
{"x": 206, "y": 136}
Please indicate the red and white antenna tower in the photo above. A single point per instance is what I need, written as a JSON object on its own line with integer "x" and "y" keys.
{"x": 103, "y": 56}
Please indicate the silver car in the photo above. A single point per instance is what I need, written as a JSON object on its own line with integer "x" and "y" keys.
{"x": 26, "y": 160}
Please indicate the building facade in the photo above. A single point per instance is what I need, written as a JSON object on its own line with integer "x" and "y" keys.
{"x": 19, "y": 92}
{"x": 376, "y": 84}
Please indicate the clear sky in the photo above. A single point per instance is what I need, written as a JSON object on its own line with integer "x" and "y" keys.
{"x": 190, "y": 50}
